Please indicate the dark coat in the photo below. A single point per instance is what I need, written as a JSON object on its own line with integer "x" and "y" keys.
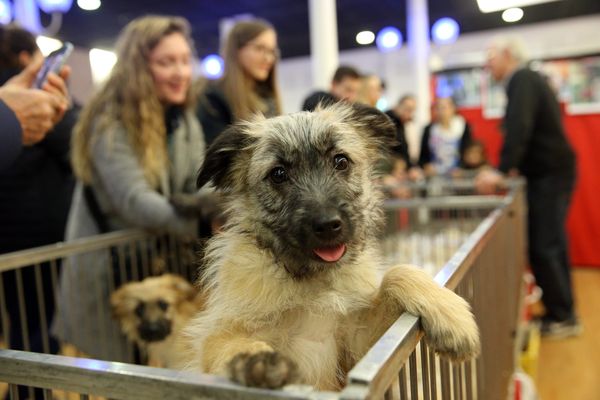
{"x": 534, "y": 137}
{"x": 311, "y": 102}
{"x": 36, "y": 190}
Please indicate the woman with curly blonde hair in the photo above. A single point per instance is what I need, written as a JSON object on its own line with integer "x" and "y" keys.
{"x": 136, "y": 148}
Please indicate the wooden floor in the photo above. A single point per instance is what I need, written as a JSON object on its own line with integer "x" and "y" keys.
{"x": 570, "y": 369}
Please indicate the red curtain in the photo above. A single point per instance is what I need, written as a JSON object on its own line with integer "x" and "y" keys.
{"x": 583, "y": 223}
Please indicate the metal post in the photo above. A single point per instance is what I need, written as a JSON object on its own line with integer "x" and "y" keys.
{"x": 418, "y": 46}
{"x": 323, "y": 41}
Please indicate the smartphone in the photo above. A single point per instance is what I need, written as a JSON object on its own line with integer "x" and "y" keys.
{"x": 53, "y": 63}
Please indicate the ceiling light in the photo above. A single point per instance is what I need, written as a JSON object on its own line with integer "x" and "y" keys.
{"x": 512, "y": 15}
{"x": 444, "y": 31}
{"x": 365, "y": 37}
{"x": 47, "y": 44}
{"x": 486, "y": 6}
{"x": 51, "y": 6}
{"x": 102, "y": 63}
{"x": 212, "y": 66}
{"x": 5, "y": 12}
{"x": 89, "y": 5}
{"x": 389, "y": 38}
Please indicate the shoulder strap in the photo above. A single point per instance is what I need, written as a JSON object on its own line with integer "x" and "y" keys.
{"x": 94, "y": 207}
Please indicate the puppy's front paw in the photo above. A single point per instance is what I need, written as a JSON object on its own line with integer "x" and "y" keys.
{"x": 450, "y": 329}
{"x": 266, "y": 369}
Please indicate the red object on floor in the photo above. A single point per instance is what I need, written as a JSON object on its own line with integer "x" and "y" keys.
{"x": 583, "y": 223}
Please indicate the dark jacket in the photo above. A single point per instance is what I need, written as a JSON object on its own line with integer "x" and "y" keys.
{"x": 401, "y": 147}
{"x": 10, "y": 136}
{"x": 426, "y": 156}
{"x": 311, "y": 102}
{"x": 213, "y": 112}
{"x": 36, "y": 189}
{"x": 534, "y": 137}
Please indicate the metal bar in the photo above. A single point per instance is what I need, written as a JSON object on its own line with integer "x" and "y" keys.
{"x": 403, "y": 387}
{"x": 22, "y": 311}
{"x": 3, "y": 313}
{"x": 414, "y": 386}
{"x": 123, "y": 381}
{"x": 383, "y": 360}
{"x": 433, "y": 374}
{"x": 42, "y": 309}
{"x": 425, "y": 370}
{"x": 40, "y": 254}
{"x": 454, "y": 202}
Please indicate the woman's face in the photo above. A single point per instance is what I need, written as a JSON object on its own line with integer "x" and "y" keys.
{"x": 171, "y": 68}
{"x": 259, "y": 55}
{"x": 444, "y": 109}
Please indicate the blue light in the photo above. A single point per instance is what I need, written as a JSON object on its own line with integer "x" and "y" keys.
{"x": 5, "y": 12}
{"x": 445, "y": 31}
{"x": 212, "y": 66}
{"x": 388, "y": 39}
{"x": 51, "y": 6}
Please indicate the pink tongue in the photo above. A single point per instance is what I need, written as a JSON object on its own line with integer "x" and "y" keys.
{"x": 331, "y": 254}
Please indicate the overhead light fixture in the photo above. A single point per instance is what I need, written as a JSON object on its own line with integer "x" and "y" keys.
{"x": 5, "y": 12}
{"x": 102, "y": 63}
{"x": 365, "y": 37}
{"x": 212, "y": 66}
{"x": 487, "y": 6}
{"x": 388, "y": 39}
{"x": 89, "y": 5}
{"x": 512, "y": 14}
{"x": 51, "y": 6}
{"x": 47, "y": 44}
{"x": 445, "y": 31}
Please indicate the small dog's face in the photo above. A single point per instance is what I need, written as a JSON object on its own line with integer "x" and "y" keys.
{"x": 301, "y": 184}
{"x": 147, "y": 309}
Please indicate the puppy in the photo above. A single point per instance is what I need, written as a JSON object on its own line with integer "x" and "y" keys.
{"x": 296, "y": 294}
{"x": 153, "y": 311}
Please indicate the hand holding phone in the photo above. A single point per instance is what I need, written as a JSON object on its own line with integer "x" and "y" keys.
{"x": 53, "y": 63}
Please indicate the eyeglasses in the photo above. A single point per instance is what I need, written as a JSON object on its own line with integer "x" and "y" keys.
{"x": 265, "y": 51}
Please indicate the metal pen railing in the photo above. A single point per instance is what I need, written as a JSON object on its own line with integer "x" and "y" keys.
{"x": 482, "y": 258}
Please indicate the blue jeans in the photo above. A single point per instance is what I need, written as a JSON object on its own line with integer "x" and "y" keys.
{"x": 548, "y": 199}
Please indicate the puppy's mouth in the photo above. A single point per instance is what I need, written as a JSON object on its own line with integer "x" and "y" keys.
{"x": 331, "y": 253}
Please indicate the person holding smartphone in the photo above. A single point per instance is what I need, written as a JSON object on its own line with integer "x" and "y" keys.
{"x": 35, "y": 181}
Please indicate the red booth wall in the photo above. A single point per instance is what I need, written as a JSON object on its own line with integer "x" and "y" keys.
{"x": 583, "y": 224}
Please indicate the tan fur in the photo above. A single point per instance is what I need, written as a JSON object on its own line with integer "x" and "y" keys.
{"x": 183, "y": 299}
{"x": 325, "y": 317}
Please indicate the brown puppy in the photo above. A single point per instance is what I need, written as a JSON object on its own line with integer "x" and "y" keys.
{"x": 295, "y": 286}
{"x": 153, "y": 311}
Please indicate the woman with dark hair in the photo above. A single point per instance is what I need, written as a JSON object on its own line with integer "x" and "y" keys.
{"x": 249, "y": 83}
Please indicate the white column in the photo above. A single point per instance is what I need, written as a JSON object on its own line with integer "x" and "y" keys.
{"x": 418, "y": 46}
{"x": 323, "y": 41}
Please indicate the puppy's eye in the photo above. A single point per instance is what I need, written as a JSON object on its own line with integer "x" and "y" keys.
{"x": 340, "y": 162}
{"x": 278, "y": 175}
{"x": 139, "y": 310}
{"x": 163, "y": 305}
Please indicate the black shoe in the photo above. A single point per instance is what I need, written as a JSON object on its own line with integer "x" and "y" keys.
{"x": 551, "y": 329}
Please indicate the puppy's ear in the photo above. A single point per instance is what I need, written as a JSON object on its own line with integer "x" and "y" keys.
{"x": 118, "y": 302}
{"x": 220, "y": 156}
{"x": 378, "y": 126}
{"x": 184, "y": 289}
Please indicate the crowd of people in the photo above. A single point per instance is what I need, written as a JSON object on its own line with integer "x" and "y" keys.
{"x": 129, "y": 157}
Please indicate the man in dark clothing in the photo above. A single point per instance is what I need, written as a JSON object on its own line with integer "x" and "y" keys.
{"x": 536, "y": 147}
{"x": 35, "y": 194}
{"x": 344, "y": 86}
{"x": 400, "y": 115}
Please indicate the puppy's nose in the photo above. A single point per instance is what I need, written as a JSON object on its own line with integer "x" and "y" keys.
{"x": 327, "y": 224}
{"x": 152, "y": 331}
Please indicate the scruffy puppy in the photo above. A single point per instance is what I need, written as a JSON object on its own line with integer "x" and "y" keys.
{"x": 153, "y": 311}
{"x": 295, "y": 289}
